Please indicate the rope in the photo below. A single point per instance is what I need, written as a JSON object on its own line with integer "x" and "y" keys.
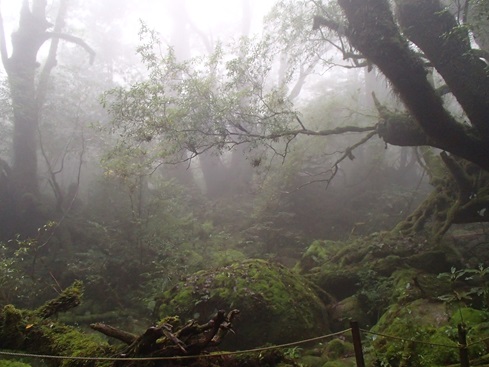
{"x": 411, "y": 340}
{"x": 13, "y": 354}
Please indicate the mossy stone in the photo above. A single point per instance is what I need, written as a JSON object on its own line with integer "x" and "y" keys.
{"x": 311, "y": 361}
{"x": 346, "y": 310}
{"x": 339, "y": 283}
{"x": 434, "y": 262}
{"x": 277, "y": 305}
{"x": 11, "y": 324}
{"x": 469, "y": 316}
{"x": 347, "y": 362}
{"x": 337, "y": 348}
{"x": 387, "y": 265}
{"x": 316, "y": 254}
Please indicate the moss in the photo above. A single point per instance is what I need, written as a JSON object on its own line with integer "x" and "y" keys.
{"x": 4, "y": 363}
{"x": 57, "y": 339}
{"x": 68, "y": 299}
{"x": 434, "y": 355}
{"x": 11, "y": 325}
{"x": 469, "y": 317}
{"x": 226, "y": 257}
{"x": 434, "y": 262}
{"x": 348, "y": 362}
{"x": 346, "y": 310}
{"x": 341, "y": 283}
{"x": 276, "y": 304}
{"x": 316, "y": 254}
{"x": 420, "y": 321}
{"x": 337, "y": 349}
{"x": 311, "y": 361}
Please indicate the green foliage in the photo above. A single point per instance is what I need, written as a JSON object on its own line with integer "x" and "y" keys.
{"x": 373, "y": 291}
{"x": 194, "y": 105}
{"x": 468, "y": 286}
{"x": 4, "y": 363}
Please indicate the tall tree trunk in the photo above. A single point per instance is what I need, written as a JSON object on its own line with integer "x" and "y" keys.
{"x": 21, "y": 69}
{"x": 28, "y": 93}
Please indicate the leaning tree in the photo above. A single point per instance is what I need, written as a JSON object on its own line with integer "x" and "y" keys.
{"x": 412, "y": 42}
{"x": 408, "y": 41}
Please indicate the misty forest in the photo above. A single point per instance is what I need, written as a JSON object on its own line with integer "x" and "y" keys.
{"x": 239, "y": 183}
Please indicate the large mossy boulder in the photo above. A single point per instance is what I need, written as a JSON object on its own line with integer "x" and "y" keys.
{"x": 424, "y": 333}
{"x": 277, "y": 305}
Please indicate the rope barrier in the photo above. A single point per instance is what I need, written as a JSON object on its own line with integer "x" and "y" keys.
{"x": 426, "y": 343}
{"x": 411, "y": 340}
{"x": 113, "y": 359}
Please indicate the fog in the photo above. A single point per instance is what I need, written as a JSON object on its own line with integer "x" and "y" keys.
{"x": 176, "y": 134}
{"x": 145, "y": 141}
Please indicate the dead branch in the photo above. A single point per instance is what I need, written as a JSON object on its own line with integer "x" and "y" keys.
{"x": 161, "y": 341}
{"x": 113, "y": 332}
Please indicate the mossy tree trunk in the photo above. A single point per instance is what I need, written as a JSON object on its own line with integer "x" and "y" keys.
{"x": 35, "y": 332}
{"x": 386, "y": 39}
{"x": 373, "y": 30}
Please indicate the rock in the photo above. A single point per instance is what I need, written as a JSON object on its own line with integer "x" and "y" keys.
{"x": 346, "y": 310}
{"x": 277, "y": 305}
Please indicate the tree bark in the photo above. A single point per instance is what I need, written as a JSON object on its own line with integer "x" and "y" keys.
{"x": 373, "y": 31}
{"x": 447, "y": 45}
{"x": 21, "y": 69}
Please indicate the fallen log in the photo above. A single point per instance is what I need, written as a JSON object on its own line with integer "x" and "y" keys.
{"x": 191, "y": 339}
{"x": 35, "y": 332}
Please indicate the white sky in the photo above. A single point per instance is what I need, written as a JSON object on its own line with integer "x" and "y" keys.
{"x": 208, "y": 15}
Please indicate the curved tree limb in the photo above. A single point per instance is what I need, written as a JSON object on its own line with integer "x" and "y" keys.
{"x": 372, "y": 30}
{"x": 76, "y": 40}
{"x": 51, "y": 59}
{"x": 447, "y": 45}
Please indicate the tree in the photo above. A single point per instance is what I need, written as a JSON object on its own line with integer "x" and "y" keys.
{"x": 372, "y": 29}
{"x": 409, "y": 45}
{"x": 419, "y": 37}
{"x": 28, "y": 89}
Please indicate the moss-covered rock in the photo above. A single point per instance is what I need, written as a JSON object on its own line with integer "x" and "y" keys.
{"x": 415, "y": 330}
{"x": 338, "y": 349}
{"x": 434, "y": 262}
{"x": 316, "y": 254}
{"x": 340, "y": 283}
{"x": 277, "y": 305}
{"x": 347, "y": 362}
{"x": 11, "y": 325}
{"x": 311, "y": 361}
{"x": 348, "y": 309}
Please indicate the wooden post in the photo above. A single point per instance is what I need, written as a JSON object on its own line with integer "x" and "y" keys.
{"x": 357, "y": 343}
{"x": 462, "y": 341}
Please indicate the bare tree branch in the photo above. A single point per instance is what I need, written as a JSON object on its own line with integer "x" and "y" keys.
{"x": 76, "y": 40}
{"x": 51, "y": 59}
